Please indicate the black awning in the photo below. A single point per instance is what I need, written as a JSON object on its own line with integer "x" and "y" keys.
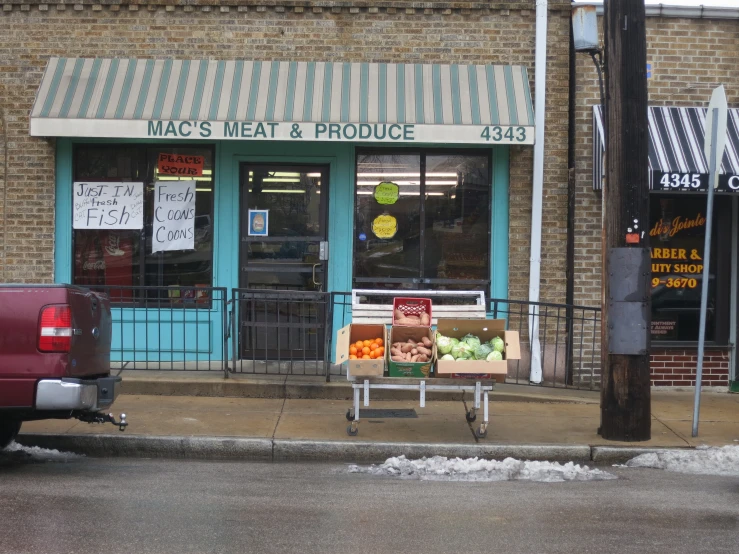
{"x": 676, "y": 159}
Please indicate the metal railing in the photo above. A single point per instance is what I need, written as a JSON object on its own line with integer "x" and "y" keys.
{"x": 280, "y": 332}
{"x": 569, "y": 342}
{"x": 291, "y": 333}
{"x": 168, "y": 328}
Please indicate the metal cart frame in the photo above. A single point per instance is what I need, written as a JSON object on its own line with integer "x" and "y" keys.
{"x": 478, "y": 390}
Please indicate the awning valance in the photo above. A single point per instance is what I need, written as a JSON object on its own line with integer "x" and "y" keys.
{"x": 676, "y": 158}
{"x": 253, "y": 100}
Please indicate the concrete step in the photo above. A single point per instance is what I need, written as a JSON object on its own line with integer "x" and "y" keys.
{"x": 191, "y": 383}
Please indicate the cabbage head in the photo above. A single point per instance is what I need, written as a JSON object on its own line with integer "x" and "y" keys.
{"x": 461, "y": 351}
{"x": 443, "y": 344}
{"x": 472, "y": 341}
{"x": 494, "y": 356}
{"x": 455, "y": 342}
{"x": 482, "y": 351}
{"x": 447, "y": 357}
{"x": 498, "y": 344}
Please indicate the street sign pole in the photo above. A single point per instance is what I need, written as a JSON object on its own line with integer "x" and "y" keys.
{"x": 714, "y": 149}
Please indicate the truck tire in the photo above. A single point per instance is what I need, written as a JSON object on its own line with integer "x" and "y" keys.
{"x": 9, "y": 429}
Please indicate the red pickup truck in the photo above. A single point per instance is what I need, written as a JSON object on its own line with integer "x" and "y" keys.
{"x": 54, "y": 356}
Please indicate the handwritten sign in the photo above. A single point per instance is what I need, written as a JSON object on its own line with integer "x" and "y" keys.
{"x": 174, "y": 216}
{"x": 387, "y": 193}
{"x": 177, "y": 164}
{"x": 108, "y": 205}
{"x": 385, "y": 226}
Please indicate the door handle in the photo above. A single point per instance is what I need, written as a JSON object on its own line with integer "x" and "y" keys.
{"x": 316, "y": 283}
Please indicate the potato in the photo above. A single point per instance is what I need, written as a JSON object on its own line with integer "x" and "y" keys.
{"x": 414, "y": 358}
{"x": 407, "y": 347}
{"x": 413, "y": 320}
{"x": 408, "y": 357}
{"x": 399, "y": 315}
{"x": 397, "y": 352}
{"x": 414, "y": 351}
{"x": 425, "y": 319}
{"x": 422, "y": 358}
{"x": 398, "y": 358}
{"x": 424, "y": 351}
{"x": 427, "y": 342}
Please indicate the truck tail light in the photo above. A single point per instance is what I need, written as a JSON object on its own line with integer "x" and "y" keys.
{"x": 55, "y": 329}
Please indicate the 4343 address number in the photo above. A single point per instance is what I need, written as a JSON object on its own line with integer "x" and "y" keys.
{"x": 497, "y": 133}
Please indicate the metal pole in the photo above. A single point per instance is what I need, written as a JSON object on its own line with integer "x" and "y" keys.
{"x": 706, "y": 272}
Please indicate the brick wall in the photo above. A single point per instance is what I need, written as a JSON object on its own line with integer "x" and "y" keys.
{"x": 676, "y": 367}
{"x": 390, "y": 31}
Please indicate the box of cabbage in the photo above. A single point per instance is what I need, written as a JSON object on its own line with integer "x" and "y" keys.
{"x": 477, "y": 346}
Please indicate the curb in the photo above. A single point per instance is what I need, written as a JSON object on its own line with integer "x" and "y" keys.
{"x": 284, "y": 450}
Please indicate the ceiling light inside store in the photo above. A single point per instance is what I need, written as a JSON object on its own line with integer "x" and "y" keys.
{"x": 383, "y": 175}
{"x": 410, "y": 183}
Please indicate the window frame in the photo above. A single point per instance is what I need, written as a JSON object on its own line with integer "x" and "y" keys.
{"x": 142, "y": 149}
{"x": 421, "y": 282}
{"x": 721, "y": 261}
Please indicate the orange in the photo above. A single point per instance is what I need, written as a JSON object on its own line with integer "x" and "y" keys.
{"x": 352, "y": 357}
{"x": 352, "y": 349}
{"x": 379, "y": 342}
{"x": 359, "y": 344}
{"x": 366, "y": 357}
{"x": 374, "y": 346}
{"x": 367, "y": 343}
{"x": 381, "y": 350}
{"x": 373, "y": 355}
{"x": 365, "y": 350}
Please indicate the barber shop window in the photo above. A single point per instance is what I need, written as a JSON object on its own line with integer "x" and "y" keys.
{"x": 677, "y": 234}
{"x": 172, "y": 246}
{"x": 422, "y": 220}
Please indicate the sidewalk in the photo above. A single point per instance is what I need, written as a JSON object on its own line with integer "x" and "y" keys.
{"x": 520, "y": 417}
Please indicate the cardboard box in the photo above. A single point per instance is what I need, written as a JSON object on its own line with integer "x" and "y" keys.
{"x": 486, "y": 329}
{"x": 349, "y": 335}
{"x": 409, "y": 369}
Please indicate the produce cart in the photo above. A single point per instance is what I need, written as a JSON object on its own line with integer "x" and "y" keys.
{"x": 370, "y": 320}
{"x": 478, "y": 389}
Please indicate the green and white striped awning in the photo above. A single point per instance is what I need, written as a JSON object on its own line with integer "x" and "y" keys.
{"x": 253, "y": 100}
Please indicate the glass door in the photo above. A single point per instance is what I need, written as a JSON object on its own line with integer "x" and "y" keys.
{"x": 283, "y": 248}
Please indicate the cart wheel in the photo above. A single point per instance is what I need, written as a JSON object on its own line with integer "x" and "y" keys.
{"x": 352, "y": 431}
{"x": 471, "y": 417}
{"x": 349, "y": 415}
{"x": 480, "y": 433}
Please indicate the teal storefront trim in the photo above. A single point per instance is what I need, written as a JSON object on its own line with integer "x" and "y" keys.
{"x": 153, "y": 325}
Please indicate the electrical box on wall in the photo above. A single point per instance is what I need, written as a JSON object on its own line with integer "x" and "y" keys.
{"x": 585, "y": 28}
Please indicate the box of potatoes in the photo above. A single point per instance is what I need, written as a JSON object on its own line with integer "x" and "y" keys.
{"x": 410, "y": 352}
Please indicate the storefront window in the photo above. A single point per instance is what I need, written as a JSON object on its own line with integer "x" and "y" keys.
{"x": 119, "y": 258}
{"x": 677, "y": 235}
{"x": 422, "y": 221}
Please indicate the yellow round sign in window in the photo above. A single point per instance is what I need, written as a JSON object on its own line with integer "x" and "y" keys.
{"x": 385, "y": 226}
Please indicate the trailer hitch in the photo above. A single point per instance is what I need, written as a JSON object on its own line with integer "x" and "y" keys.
{"x": 99, "y": 417}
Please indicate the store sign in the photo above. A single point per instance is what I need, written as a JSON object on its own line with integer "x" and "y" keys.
{"x": 258, "y": 223}
{"x": 387, "y": 193}
{"x": 396, "y": 133}
{"x": 180, "y": 165}
{"x": 385, "y": 226}
{"x": 664, "y": 329}
{"x": 692, "y": 182}
{"x": 107, "y": 205}
{"x": 174, "y": 216}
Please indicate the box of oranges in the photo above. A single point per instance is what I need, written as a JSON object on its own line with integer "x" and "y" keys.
{"x": 363, "y": 346}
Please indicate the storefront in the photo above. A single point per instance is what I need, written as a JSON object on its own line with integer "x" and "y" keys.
{"x": 678, "y": 184}
{"x": 290, "y": 176}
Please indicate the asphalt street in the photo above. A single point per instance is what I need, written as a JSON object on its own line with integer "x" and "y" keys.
{"x": 159, "y": 506}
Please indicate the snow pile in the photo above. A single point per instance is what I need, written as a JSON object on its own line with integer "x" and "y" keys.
{"x": 703, "y": 460}
{"x": 440, "y": 468}
{"x": 39, "y": 454}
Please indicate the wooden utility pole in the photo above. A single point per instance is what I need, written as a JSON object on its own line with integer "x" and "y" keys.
{"x": 626, "y": 315}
